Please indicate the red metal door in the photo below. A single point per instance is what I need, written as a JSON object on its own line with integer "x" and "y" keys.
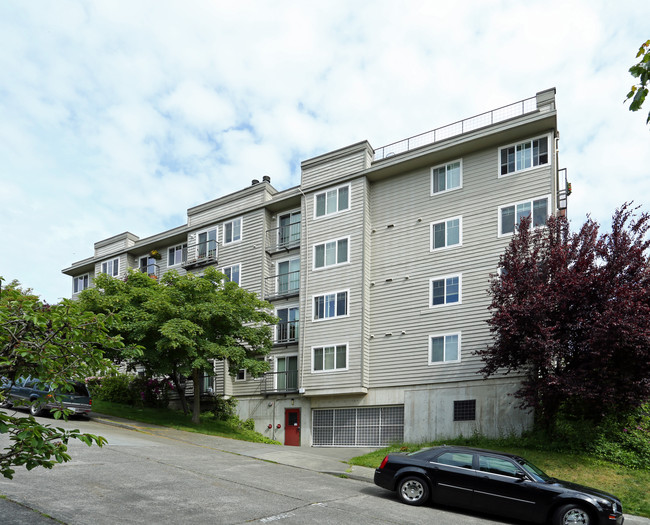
{"x": 292, "y": 427}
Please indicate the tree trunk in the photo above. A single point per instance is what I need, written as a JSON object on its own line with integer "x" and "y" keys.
{"x": 196, "y": 410}
{"x": 181, "y": 392}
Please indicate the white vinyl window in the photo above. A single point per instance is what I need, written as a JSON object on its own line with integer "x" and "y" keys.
{"x": 444, "y": 348}
{"x": 232, "y": 231}
{"x": 80, "y": 283}
{"x": 332, "y": 201}
{"x": 331, "y": 305}
{"x": 111, "y": 267}
{"x": 446, "y": 233}
{"x": 523, "y": 156}
{"x": 447, "y": 177}
{"x": 241, "y": 375}
{"x": 233, "y": 273}
{"x": 329, "y": 358}
{"x": 331, "y": 253}
{"x": 510, "y": 215}
{"x": 177, "y": 255}
{"x": 445, "y": 290}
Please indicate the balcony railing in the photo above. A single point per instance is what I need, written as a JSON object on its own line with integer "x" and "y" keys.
{"x": 152, "y": 269}
{"x": 286, "y": 332}
{"x": 280, "y": 382}
{"x": 201, "y": 254}
{"x": 283, "y": 238}
{"x": 458, "y": 128}
{"x": 282, "y": 285}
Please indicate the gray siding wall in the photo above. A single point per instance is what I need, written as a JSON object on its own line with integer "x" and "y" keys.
{"x": 344, "y": 277}
{"x": 403, "y": 210}
{"x": 332, "y": 166}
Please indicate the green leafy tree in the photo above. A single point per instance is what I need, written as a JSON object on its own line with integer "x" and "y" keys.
{"x": 54, "y": 343}
{"x": 185, "y": 322}
{"x": 571, "y": 311}
{"x": 641, "y": 71}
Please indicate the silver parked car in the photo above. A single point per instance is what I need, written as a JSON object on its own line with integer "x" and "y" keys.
{"x": 39, "y": 396}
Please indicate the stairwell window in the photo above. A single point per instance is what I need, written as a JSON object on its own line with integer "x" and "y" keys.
{"x": 444, "y": 348}
{"x": 111, "y": 267}
{"x": 332, "y": 201}
{"x": 446, "y": 234}
{"x": 510, "y": 215}
{"x": 331, "y": 253}
{"x": 232, "y": 231}
{"x": 445, "y": 290}
{"x": 523, "y": 156}
{"x": 331, "y": 305}
{"x": 329, "y": 358}
{"x": 446, "y": 177}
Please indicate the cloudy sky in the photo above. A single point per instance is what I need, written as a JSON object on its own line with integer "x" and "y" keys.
{"x": 119, "y": 115}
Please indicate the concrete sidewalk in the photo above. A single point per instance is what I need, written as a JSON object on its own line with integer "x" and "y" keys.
{"x": 330, "y": 460}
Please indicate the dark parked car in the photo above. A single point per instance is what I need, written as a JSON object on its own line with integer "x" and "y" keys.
{"x": 39, "y": 396}
{"x": 495, "y": 483}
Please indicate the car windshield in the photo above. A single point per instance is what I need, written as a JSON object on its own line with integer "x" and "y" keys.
{"x": 537, "y": 473}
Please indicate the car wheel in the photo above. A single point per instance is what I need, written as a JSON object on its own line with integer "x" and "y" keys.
{"x": 571, "y": 514}
{"x": 413, "y": 490}
{"x": 35, "y": 409}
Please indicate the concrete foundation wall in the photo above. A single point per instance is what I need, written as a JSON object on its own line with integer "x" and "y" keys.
{"x": 429, "y": 413}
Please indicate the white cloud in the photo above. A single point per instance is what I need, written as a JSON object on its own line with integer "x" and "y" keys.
{"x": 119, "y": 116}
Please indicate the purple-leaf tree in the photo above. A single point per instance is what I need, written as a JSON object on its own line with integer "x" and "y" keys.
{"x": 571, "y": 313}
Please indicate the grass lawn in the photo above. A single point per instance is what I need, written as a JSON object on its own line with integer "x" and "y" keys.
{"x": 176, "y": 419}
{"x": 631, "y": 486}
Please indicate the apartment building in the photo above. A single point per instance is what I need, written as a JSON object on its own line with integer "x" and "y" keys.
{"x": 377, "y": 266}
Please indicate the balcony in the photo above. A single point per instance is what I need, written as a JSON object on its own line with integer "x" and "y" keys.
{"x": 563, "y": 189}
{"x": 286, "y": 332}
{"x": 201, "y": 254}
{"x": 280, "y": 382}
{"x": 283, "y": 238}
{"x": 282, "y": 285}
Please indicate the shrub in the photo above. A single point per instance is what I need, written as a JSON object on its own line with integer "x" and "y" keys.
{"x": 151, "y": 392}
{"x": 114, "y": 389}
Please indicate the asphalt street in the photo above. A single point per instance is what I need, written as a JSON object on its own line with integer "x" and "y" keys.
{"x": 149, "y": 474}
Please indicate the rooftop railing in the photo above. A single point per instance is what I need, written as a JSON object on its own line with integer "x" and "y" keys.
{"x": 458, "y": 128}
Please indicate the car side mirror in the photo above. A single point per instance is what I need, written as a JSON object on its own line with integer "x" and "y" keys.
{"x": 521, "y": 476}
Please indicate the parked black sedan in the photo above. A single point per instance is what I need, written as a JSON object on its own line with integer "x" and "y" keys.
{"x": 495, "y": 483}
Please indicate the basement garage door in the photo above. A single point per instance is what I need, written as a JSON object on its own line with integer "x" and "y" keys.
{"x": 357, "y": 427}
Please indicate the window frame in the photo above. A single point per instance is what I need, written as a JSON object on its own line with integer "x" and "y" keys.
{"x": 444, "y": 337}
{"x": 336, "y": 302}
{"x": 446, "y": 166}
{"x": 532, "y": 201}
{"x": 85, "y": 279}
{"x": 445, "y": 222}
{"x": 338, "y": 209}
{"x": 230, "y": 267}
{"x": 115, "y": 268}
{"x": 336, "y": 253}
{"x": 335, "y": 347}
{"x": 444, "y": 278}
{"x": 232, "y": 224}
{"x": 175, "y": 249}
{"x": 242, "y": 379}
{"x": 515, "y": 145}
